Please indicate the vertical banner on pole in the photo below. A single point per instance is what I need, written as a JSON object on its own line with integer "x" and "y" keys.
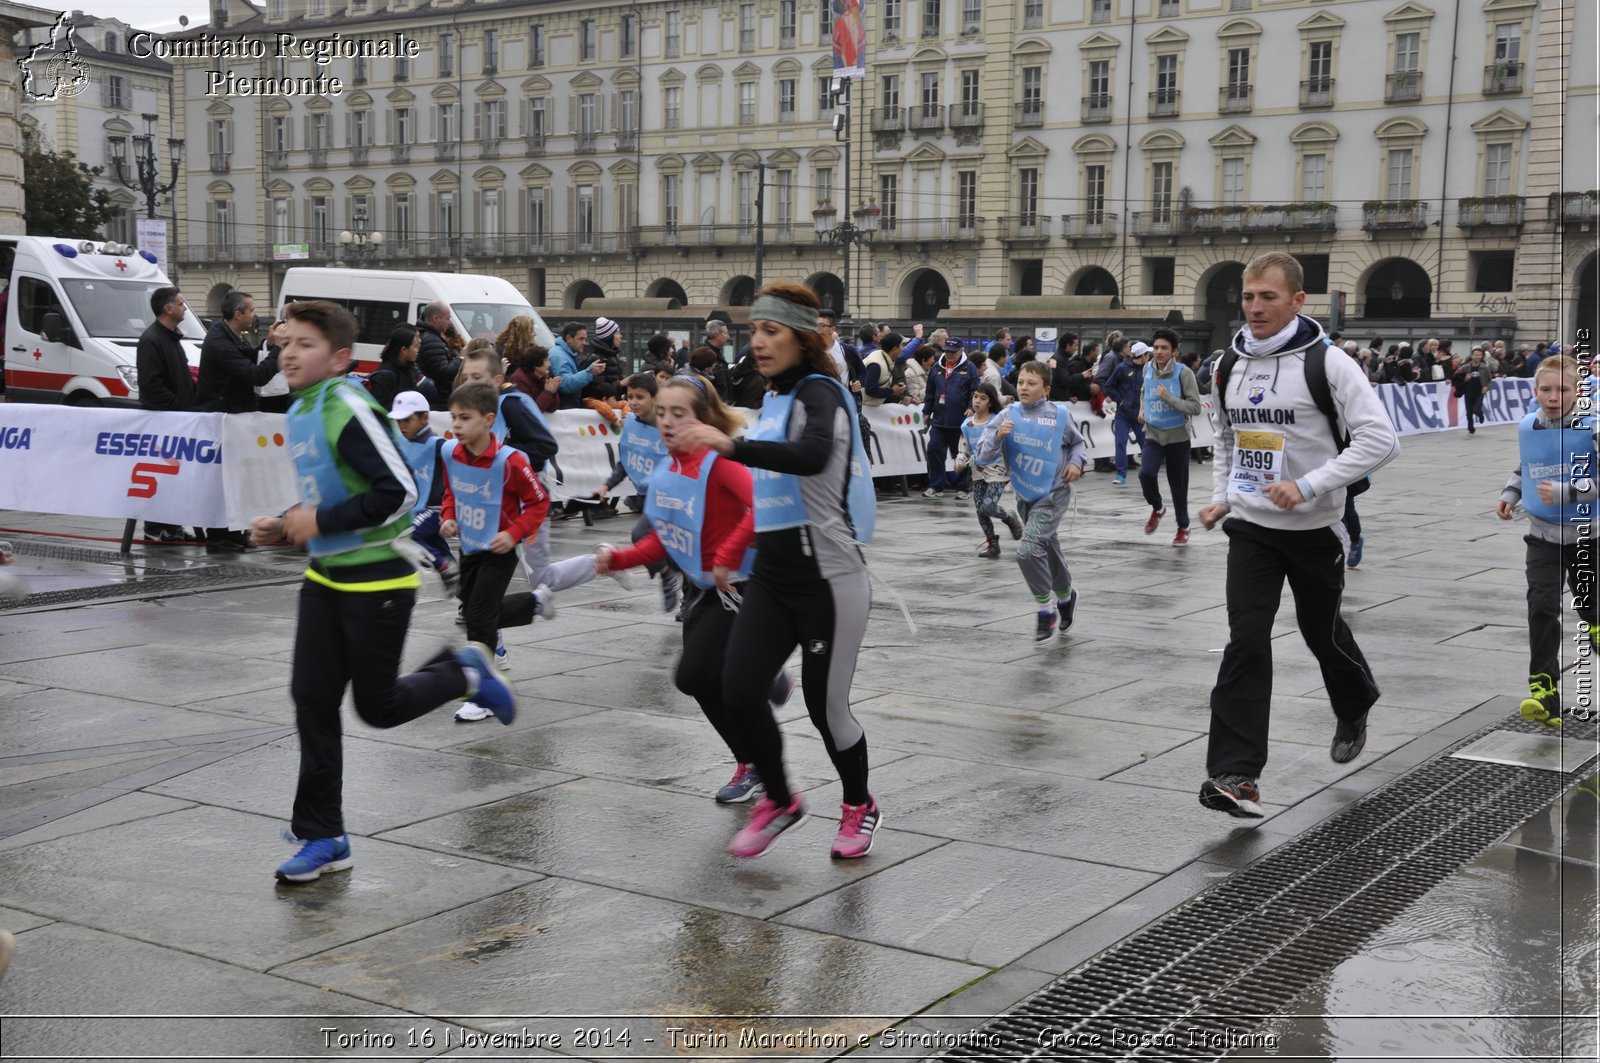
{"x": 1044, "y": 343}
{"x": 849, "y": 38}
{"x": 151, "y": 234}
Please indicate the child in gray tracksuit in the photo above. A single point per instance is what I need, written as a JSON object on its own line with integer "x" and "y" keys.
{"x": 1045, "y": 454}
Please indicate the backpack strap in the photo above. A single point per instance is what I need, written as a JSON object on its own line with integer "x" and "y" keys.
{"x": 1322, "y": 394}
{"x": 1219, "y": 378}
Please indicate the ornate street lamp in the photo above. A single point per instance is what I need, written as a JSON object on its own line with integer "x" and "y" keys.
{"x": 358, "y": 243}
{"x": 147, "y": 167}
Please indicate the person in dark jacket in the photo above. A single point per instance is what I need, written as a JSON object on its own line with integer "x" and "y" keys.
{"x": 437, "y": 361}
{"x": 951, "y": 381}
{"x": 606, "y": 346}
{"x": 229, "y": 372}
{"x": 165, "y": 382}
{"x": 1060, "y": 380}
{"x": 1125, "y": 387}
{"x": 397, "y": 368}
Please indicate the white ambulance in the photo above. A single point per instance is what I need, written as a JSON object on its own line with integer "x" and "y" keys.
{"x": 480, "y": 306}
{"x": 74, "y": 313}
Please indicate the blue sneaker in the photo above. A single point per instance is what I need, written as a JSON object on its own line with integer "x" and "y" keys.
{"x": 316, "y": 858}
{"x": 1066, "y": 609}
{"x": 1354, "y": 557}
{"x": 492, "y": 693}
{"x": 745, "y": 784}
{"x": 1121, "y": 478}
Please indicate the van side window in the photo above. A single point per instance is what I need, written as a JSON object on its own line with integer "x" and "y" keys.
{"x": 35, "y": 299}
{"x": 375, "y": 320}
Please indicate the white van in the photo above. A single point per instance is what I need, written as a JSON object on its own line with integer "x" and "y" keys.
{"x": 74, "y": 313}
{"x": 380, "y": 299}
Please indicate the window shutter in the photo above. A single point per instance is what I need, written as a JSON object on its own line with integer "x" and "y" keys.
{"x": 477, "y": 120}
{"x": 572, "y": 111}
{"x": 309, "y": 141}
{"x": 572, "y": 209}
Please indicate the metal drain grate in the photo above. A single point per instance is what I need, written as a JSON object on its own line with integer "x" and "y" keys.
{"x": 1196, "y": 983}
{"x": 151, "y": 582}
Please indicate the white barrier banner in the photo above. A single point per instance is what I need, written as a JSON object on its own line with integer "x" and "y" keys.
{"x": 1433, "y": 407}
{"x": 164, "y": 467}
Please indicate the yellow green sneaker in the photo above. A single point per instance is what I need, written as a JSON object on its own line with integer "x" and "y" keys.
{"x": 1544, "y": 704}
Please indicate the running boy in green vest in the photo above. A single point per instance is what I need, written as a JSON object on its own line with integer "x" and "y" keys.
{"x": 1555, "y": 482}
{"x": 356, "y": 495}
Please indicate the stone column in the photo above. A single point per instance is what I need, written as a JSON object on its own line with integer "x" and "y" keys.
{"x": 11, "y": 198}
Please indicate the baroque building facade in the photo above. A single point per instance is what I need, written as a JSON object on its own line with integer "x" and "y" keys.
{"x": 1138, "y": 148}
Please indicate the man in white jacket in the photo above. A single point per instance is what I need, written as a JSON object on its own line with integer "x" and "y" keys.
{"x": 1279, "y": 477}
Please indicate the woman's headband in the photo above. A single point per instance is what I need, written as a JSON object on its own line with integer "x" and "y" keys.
{"x": 771, "y": 308}
{"x": 690, "y": 378}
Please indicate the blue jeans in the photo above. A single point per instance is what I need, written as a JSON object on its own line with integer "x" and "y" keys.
{"x": 943, "y": 443}
{"x": 1121, "y": 429}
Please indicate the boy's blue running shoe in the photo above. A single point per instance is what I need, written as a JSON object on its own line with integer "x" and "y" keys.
{"x": 1353, "y": 560}
{"x": 316, "y": 858}
{"x": 492, "y": 693}
{"x": 1068, "y": 609}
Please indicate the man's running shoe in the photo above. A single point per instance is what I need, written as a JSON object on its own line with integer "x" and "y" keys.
{"x": 1349, "y": 738}
{"x": 963, "y": 496}
{"x": 470, "y": 712}
{"x": 1545, "y": 709}
{"x": 782, "y": 688}
{"x": 767, "y": 821}
{"x": 1182, "y": 538}
{"x": 1237, "y": 795}
{"x": 492, "y": 693}
{"x": 745, "y": 784}
{"x": 1353, "y": 559}
{"x": 1046, "y": 628}
{"x": 544, "y": 602}
{"x": 991, "y": 549}
{"x": 1013, "y": 525}
{"x": 671, "y": 590}
{"x": 316, "y": 858}
{"x": 1067, "y": 609}
{"x": 857, "y": 824}
{"x": 931, "y": 493}
{"x": 1155, "y": 519}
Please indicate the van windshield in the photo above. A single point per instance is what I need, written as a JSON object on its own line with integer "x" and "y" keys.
{"x": 488, "y": 320}
{"x": 120, "y": 310}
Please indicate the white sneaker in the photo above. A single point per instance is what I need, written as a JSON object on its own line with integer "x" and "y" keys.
{"x": 931, "y": 493}
{"x": 471, "y": 713}
{"x": 963, "y": 496}
{"x": 544, "y": 602}
{"x": 502, "y": 659}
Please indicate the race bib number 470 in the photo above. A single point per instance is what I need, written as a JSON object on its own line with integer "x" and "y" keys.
{"x": 1257, "y": 461}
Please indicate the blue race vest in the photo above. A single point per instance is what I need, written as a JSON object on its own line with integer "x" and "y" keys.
{"x": 1033, "y": 453}
{"x": 641, "y": 451}
{"x": 675, "y": 505}
{"x": 974, "y": 436}
{"x": 779, "y": 503}
{"x": 423, "y": 457}
{"x": 500, "y": 428}
{"x": 1158, "y": 414}
{"x": 317, "y": 478}
{"x": 1556, "y": 454}
{"x": 477, "y": 493}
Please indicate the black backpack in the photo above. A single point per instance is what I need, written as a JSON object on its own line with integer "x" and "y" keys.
{"x": 1321, "y": 394}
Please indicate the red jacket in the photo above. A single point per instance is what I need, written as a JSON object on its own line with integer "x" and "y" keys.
{"x": 523, "y": 503}
{"x": 531, "y": 386}
{"x": 730, "y": 521}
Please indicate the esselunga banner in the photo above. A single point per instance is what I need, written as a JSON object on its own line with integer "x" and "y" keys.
{"x": 165, "y": 467}
{"x": 215, "y": 470}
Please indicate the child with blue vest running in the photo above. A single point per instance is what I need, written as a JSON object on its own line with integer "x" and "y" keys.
{"x": 639, "y": 451}
{"x": 699, "y": 509}
{"x": 420, "y": 448}
{"x": 1555, "y": 482}
{"x": 494, "y": 501}
{"x": 356, "y": 496}
{"x": 989, "y": 479}
{"x": 1169, "y": 397}
{"x": 1046, "y": 454}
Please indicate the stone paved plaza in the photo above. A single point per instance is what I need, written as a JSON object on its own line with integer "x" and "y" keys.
{"x": 1039, "y": 803}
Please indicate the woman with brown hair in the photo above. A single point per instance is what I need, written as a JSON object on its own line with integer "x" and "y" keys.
{"x": 813, "y": 504}
{"x": 515, "y": 341}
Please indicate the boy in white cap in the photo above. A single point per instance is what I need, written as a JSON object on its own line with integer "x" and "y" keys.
{"x": 1125, "y": 387}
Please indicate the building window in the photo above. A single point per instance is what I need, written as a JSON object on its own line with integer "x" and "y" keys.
{"x": 446, "y": 222}
{"x": 824, "y": 96}
{"x": 891, "y": 20}
{"x": 1028, "y": 195}
{"x": 402, "y": 225}
{"x": 672, "y": 107}
{"x": 489, "y": 220}
{"x": 783, "y": 193}
{"x": 221, "y": 223}
{"x": 930, "y": 93}
{"x": 1094, "y": 194}
{"x": 583, "y": 224}
{"x": 825, "y": 20}
{"x": 786, "y": 23}
{"x": 1233, "y": 182}
{"x": 786, "y": 100}
{"x": 1167, "y": 9}
{"x": 361, "y": 70}
{"x": 930, "y": 18}
{"x": 1033, "y": 88}
{"x": 1319, "y": 69}
{"x": 319, "y": 132}
{"x": 1100, "y": 11}
{"x": 627, "y": 111}
{"x": 1493, "y": 271}
{"x": 447, "y": 55}
{"x": 1497, "y": 170}
{"x": 674, "y": 34}
{"x": 889, "y": 201}
{"x": 971, "y": 94}
{"x": 1166, "y": 99}
{"x": 360, "y": 129}
{"x": 115, "y": 94}
{"x": 1159, "y": 275}
{"x": 971, "y": 16}
{"x": 1407, "y": 52}
{"x": 535, "y": 216}
{"x": 747, "y": 103}
{"x": 1032, "y": 14}
{"x": 891, "y": 92}
{"x": 1508, "y": 42}
{"x": 491, "y": 51}
{"x": 321, "y": 223}
{"x": 493, "y": 120}
{"x": 280, "y": 221}
{"x": 747, "y": 27}
{"x": 669, "y": 202}
{"x": 747, "y": 200}
{"x": 447, "y": 123}
{"x": 536, "y": 46}
{"x": 280, "y": 133}
{"x": 537, "y": 121}
{"x": 402, "y": 68}
{"x": 1399, "y": 174}
{"x": 586, "y": 40}
{"x": 824, "y": 185}
{"x": 221, "y": 136}
{"x": 630, "y": 36}
{"x": 587, "y": 113}
{"x": 1161, "y": 190}
{"x": 1238, "y": 68}
{"x": 966, "y": 199}
{"x": 403, "y": 133}
{"x": 1314, "y": 179}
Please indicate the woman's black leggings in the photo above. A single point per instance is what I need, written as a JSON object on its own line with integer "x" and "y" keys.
{"x": 827, "y": 619}
{"x": 707, "y": 624}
